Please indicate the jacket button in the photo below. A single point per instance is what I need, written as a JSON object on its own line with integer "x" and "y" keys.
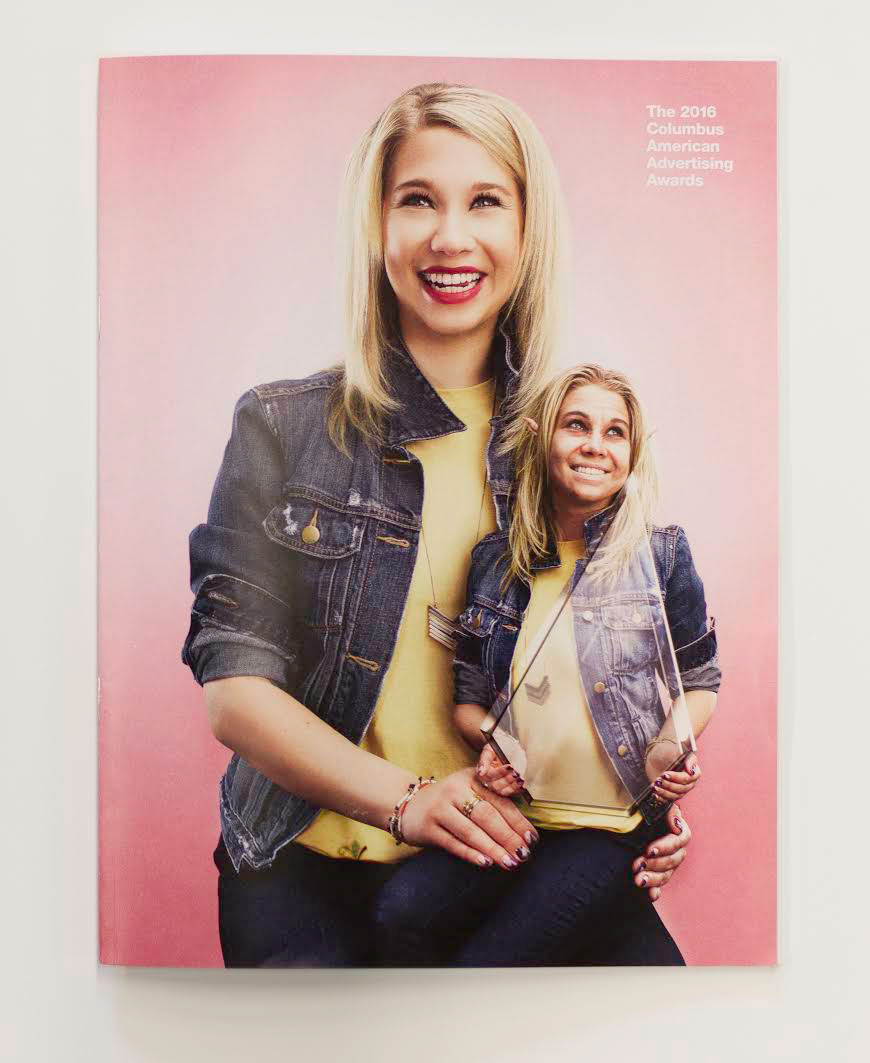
{"x": 587, "y": 615}
{"x": 476, "y": 620}
{"x": 599, "y": 688}
{"x": 310, "y": 534}
{"x": 636, "y": 617}
{"x": 622, "y": 750}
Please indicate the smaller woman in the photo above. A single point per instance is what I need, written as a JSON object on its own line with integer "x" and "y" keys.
{"x": 585, "y": 437}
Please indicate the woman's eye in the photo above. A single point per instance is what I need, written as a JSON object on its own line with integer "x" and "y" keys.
{"x": 415, "y": 199}
{"x": 617, "y": 431}
{"x": 578, "y": 425}
{"x": 485, "y": 199}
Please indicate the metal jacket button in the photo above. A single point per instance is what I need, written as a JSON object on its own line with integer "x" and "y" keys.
{"x": 587, "y": 615}
{"x": 622, "y": 750}
{"x": 599, "y": 688}
{"x": 311, "y": 533}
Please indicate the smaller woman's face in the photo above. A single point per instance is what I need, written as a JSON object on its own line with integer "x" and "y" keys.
{"x": 590, "y": 453}
{"x": 452, "y": 230}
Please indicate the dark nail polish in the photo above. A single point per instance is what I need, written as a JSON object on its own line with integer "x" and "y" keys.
{"x": 642, "y": 865}
{"x": 644, "y": 881}
{"x": 678, "y": 823}
{"x": 523, "y": 853}
{"x": 653, "y": 852}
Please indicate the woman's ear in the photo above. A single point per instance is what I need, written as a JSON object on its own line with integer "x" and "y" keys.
{"x": 533, "y": 425}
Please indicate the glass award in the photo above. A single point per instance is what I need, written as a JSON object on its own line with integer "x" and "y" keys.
{"x": 595, "y": 710}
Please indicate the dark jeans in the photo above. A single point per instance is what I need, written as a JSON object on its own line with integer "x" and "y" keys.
{"x": 573, "y": 903}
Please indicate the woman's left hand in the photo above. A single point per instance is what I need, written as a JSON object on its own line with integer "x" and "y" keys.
{"x": 654, "y": 868}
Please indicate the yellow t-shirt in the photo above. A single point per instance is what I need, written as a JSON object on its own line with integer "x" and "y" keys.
{"x": 412, "y": 724}
{"x": 567, "y": 759}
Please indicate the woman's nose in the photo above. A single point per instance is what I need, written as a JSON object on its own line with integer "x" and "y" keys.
{"x": 594, "y": 442}
{"x": 452, "y": 235}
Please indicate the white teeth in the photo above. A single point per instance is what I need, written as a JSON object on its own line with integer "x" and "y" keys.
{"x": 588, "y": 470}
{"x": 453, "y": 281}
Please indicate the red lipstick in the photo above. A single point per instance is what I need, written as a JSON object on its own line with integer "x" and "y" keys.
{"x": 442, "y": 296}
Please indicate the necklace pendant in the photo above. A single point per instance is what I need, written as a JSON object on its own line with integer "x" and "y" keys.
{"x": 442, "y": 628}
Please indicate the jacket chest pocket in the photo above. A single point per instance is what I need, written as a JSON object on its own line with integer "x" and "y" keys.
{"x": 323, "y": 543}
{"x": 630, "y": 634}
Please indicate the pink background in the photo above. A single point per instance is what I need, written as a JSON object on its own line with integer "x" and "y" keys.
{"x": 219, "y": 180}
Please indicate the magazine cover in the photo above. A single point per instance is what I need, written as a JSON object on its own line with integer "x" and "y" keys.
{"x": 438, "y": 512}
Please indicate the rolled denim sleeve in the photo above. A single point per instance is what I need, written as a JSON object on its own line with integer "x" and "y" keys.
{"x": 241, "y": 617}
{"x": 470, "y": 682}
{"x": 694, "y": 640}
{"x": 471, "y": 685}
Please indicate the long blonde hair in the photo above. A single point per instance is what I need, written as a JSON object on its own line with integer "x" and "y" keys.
{"x": 532, "y": 524}
{"x": 371, "y": 316}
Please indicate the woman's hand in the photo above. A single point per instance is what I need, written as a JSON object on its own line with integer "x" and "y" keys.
{"x": 654, "y": 868}
{"x": 495, "y": 833}
{"x": 672, "y": 785}
{"x": 494, "y": 775}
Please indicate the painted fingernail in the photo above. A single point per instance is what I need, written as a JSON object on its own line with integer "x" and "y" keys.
{"x": 484, "y": 861}
{"x": 678, "y": 823}
{"x": 653, "y": 852}
{"x": 523, "y": 853}
{"x": 530, "y": 838}
{"x": 694, "y": 771}
{"x": 509, "y": 862}
{"x": 642, "y": 865}
{"x": 644, "y": 881}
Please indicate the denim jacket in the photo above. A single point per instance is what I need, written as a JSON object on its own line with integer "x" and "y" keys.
{"x": 302, "y": 570}
{"x": 623, "y": 700}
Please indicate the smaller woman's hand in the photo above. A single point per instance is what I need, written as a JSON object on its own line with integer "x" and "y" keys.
{"x": 672, "y": 785}
{"x": 501, "y": 778}
{"x": 661, "y": 858}
{"x": 477, "y": 826}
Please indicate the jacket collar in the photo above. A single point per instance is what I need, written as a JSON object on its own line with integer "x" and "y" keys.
{"x": 422, "y": 413}
{"x": 593, "y": 532}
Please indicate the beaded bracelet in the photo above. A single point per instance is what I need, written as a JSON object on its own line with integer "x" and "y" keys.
{"x": 395, "y": 824}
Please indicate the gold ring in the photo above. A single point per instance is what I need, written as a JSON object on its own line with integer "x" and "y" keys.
{"x": 467, "y": 808}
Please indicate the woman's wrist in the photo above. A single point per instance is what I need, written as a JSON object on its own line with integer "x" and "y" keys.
{"x": 394, "y": 825}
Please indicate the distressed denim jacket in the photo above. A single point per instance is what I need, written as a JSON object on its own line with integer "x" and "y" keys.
{"x": 302, "y": 570}
{"x": 623, "y": 698}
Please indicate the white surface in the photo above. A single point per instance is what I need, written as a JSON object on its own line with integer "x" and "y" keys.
{"x": 56, "y": 1004}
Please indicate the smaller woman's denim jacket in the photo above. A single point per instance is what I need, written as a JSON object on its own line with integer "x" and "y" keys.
{"x": 491, "y": 622}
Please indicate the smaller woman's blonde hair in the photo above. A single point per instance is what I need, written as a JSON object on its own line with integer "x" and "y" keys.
{"x": 532, "y": 524}
{"x": 530, "y": 317}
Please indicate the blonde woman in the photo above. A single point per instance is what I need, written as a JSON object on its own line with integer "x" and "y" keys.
{"x": 575, "y": 901}
{"x": 326, "y": 577}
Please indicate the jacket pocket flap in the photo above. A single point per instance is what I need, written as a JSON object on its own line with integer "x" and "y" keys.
{"x": 314, "y": 528}
{"x": 634, "y": 614}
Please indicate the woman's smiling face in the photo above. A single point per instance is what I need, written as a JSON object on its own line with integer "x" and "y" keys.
{"x": 590, "y": 452}
{"x": 452, "y": 231}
